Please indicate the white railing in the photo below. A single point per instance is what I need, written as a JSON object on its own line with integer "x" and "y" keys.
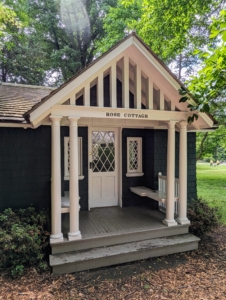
{"x": 162, "y": 187}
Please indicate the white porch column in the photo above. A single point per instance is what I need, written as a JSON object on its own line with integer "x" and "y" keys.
{"x": 74, "y": 233}
{"x": 170, "y": 193}
{"x": 183, "y": 175}
{"x": 125, "y": 86}
{"x": 56, "y": 235}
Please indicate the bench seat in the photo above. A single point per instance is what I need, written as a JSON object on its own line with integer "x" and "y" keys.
{"x": 146, "y": 192}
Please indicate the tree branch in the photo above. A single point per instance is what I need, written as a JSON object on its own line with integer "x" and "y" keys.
{"x": 201, "y": 146}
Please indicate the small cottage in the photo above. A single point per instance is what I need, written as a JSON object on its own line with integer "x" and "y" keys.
{"x": 110, "y": 152}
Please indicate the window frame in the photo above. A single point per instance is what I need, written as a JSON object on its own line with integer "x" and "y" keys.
{"x": 139, "y": 171}
{"x": 80, "y": 156}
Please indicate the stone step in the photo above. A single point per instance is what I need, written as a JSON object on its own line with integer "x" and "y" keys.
{"x": 117, "y": 254}
{"x": 117, "y": 238}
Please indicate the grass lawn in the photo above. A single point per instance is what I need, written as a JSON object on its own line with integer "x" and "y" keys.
{"x": 211, "y": 185}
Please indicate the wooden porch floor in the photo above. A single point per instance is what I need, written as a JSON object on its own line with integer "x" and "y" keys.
{"x": 100, "y": 222}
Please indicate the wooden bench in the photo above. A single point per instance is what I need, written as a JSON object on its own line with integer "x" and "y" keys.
{"x": 146, "y": 192}
{"x": 160, "y": 194}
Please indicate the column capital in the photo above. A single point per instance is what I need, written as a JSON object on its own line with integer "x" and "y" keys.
{"x": 55, "y": 118}
{"x": 171, "y": 124}
{"x": 183, "y": 124}
{"x": 73, "y": 120}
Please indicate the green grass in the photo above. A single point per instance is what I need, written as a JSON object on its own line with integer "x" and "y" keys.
{"x": 211, "y": 186}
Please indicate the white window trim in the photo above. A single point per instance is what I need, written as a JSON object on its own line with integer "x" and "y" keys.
{"x": 139, "y": 171}
{"x": 80, "y": 166}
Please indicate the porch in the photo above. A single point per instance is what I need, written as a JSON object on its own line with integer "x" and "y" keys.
{"x": 115, "y": 235}
{"x": 110, "y": 221}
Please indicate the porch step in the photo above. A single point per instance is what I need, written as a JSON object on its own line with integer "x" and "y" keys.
{"x": 117, "y": 254}
{"x": 118, "y": 238}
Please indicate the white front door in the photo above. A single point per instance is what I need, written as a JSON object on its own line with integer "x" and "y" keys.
{"x": 103, "y": 167}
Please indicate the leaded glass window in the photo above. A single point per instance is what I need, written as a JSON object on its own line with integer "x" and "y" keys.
{"x": 134, "y": 156}
{"x": 103, "y": 151}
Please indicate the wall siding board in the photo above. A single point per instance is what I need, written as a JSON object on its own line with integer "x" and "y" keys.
{"x": 129, "y": 198}
{"x": 192, "y": 188}
{"x": 25, "y": 167}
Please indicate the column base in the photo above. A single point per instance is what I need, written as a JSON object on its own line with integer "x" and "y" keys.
{"x": 183, "y": 221}
{"x": 56, "y": 238}
{"x": 169, "y": 223}
{"x": 73, "y": 236}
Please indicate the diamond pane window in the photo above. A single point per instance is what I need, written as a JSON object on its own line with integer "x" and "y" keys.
{"x": 134, "y": 157}
{"x": 103, "y": 151}
{"x": 67, "y": 158}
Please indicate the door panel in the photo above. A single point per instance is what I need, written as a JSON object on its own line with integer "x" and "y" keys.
{"x": 97, "y": 188}
{"x": 103, "y": 172}
{"x": 110, "y": 186}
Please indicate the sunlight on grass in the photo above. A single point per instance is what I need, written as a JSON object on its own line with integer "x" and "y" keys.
{"x": 211, "y": 186}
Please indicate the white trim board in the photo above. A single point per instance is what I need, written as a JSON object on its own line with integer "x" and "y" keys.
{"x": 118, "y": 113}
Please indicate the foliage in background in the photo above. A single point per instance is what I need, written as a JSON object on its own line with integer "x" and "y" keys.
{"x": 22, "y": 56}
{"x": 173, "y": 29}
{"x": 7, "y": 16}
{"x": 23, "y": 240}
{"x": 117, "y": 23}
{"x": 211, "y": 145}
{"x": 203, "y": 218}
{"x": 208, "y": 87}
{"x": 58, "y": 38}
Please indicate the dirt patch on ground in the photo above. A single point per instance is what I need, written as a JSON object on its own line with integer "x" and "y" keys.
{"x": 194, "y": 275}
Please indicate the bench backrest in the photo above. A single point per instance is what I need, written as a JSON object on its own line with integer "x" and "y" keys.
{"x": 162, "y": 186}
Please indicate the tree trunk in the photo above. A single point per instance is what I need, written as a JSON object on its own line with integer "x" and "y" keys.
{"x": 201, "y": 146}
{"x": 180, "y": 66}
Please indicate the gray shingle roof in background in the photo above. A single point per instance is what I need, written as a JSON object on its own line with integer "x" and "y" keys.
{"x": 16, "y": 99}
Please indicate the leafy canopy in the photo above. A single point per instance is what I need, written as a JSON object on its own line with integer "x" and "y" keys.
{"x": 57, "y": 39}
{"x": 7, "y": 16}
{"x": 208, "y": 87}
{"x": 168, "y": 27}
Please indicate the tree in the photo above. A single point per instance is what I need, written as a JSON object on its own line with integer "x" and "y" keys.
{"x": 117, "y": 23}
{"x": 21, "y": 56}
{"x": 211, "y": 145}
{"x": 58, "y": 39}
{"x": 7, "y": 16}
{"x": 173, "y": 29}
{"x": 70, "y": 31}
{"x": 208, "y": 87}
